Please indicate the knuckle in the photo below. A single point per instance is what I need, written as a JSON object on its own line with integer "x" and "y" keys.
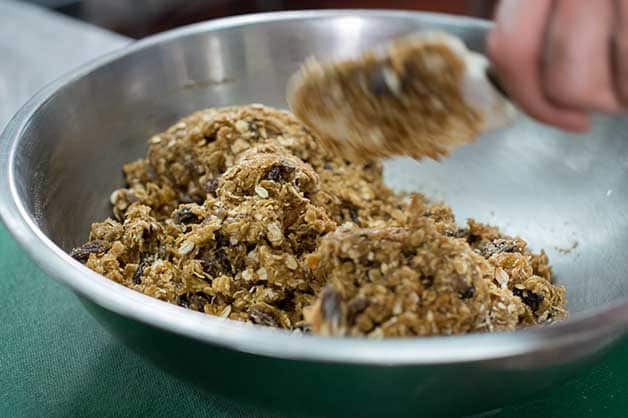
{"x": 564, "y": 93}
{"x": 556, "y": 86}
{"x": 571, "y": 85}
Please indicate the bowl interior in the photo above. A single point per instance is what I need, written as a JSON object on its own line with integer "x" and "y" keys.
{"x": 564, "y": 193}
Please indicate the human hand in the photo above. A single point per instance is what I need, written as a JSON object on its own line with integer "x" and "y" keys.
{"x": 561, "y": 60}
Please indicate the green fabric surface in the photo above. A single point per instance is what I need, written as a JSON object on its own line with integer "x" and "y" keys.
{"x": 56, "y": 361}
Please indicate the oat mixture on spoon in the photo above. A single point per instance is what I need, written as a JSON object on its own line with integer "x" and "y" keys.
{"x": 420, "y": 95}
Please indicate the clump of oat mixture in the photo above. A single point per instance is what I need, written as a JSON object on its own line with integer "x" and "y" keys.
{"x": 420, "y": 95}
{"x": 238, "y": 212}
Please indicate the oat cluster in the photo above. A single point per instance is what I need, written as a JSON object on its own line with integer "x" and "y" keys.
{"x": 238, "y": 212}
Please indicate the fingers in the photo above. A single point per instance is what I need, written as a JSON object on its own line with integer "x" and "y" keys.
{"x": 620, "y": 51}
{"x": 515, "y": 46}
{"x": 576, "y": 68}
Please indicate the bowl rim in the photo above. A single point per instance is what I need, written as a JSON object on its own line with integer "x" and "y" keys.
{"x": 583, "y": 327}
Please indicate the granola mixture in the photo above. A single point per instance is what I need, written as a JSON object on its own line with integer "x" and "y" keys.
{"x": 420, "y": 95}
{"x": 239, "y": 212}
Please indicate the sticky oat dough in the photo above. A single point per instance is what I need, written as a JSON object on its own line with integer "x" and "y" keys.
{"x": 239, "y": 212}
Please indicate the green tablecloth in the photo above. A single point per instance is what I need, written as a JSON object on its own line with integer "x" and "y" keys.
{"x": 56, "y": 361}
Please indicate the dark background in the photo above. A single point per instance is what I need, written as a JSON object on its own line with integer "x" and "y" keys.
{"x": 139, "y": 18}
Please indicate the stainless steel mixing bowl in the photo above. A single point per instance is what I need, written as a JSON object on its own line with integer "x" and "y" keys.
{"x": 60, "y": 158}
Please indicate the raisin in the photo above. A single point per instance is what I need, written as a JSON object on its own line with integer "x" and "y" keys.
{"x": 355, "y": 307}
{"x": 532, "y": 299}
{"x": 280, "y": 172}
{"x": 331, "y": 305}
{"x": 182, "y": 300}
{"x": 137, "y": 276}
{"x": 472, "y": 239}
{"x": 224, "y": 261}
{"x": 185, "y": 216}
{"x": 353, "y": 213}
{"x": 211, "y": 266}
{"x": 212, "y": 186}
{"x": 467, "y": 293}
{"x": 216, "y": 261}
{"x": 210, "y": 137}
{"x": 274, "y": 174}
{"x": 198, "y": 300}
{"x": 82, "y": 253}
{"x": 287, "y": 303}
{"x": 221, "y": 240}
{"x": 427, "y": 281}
